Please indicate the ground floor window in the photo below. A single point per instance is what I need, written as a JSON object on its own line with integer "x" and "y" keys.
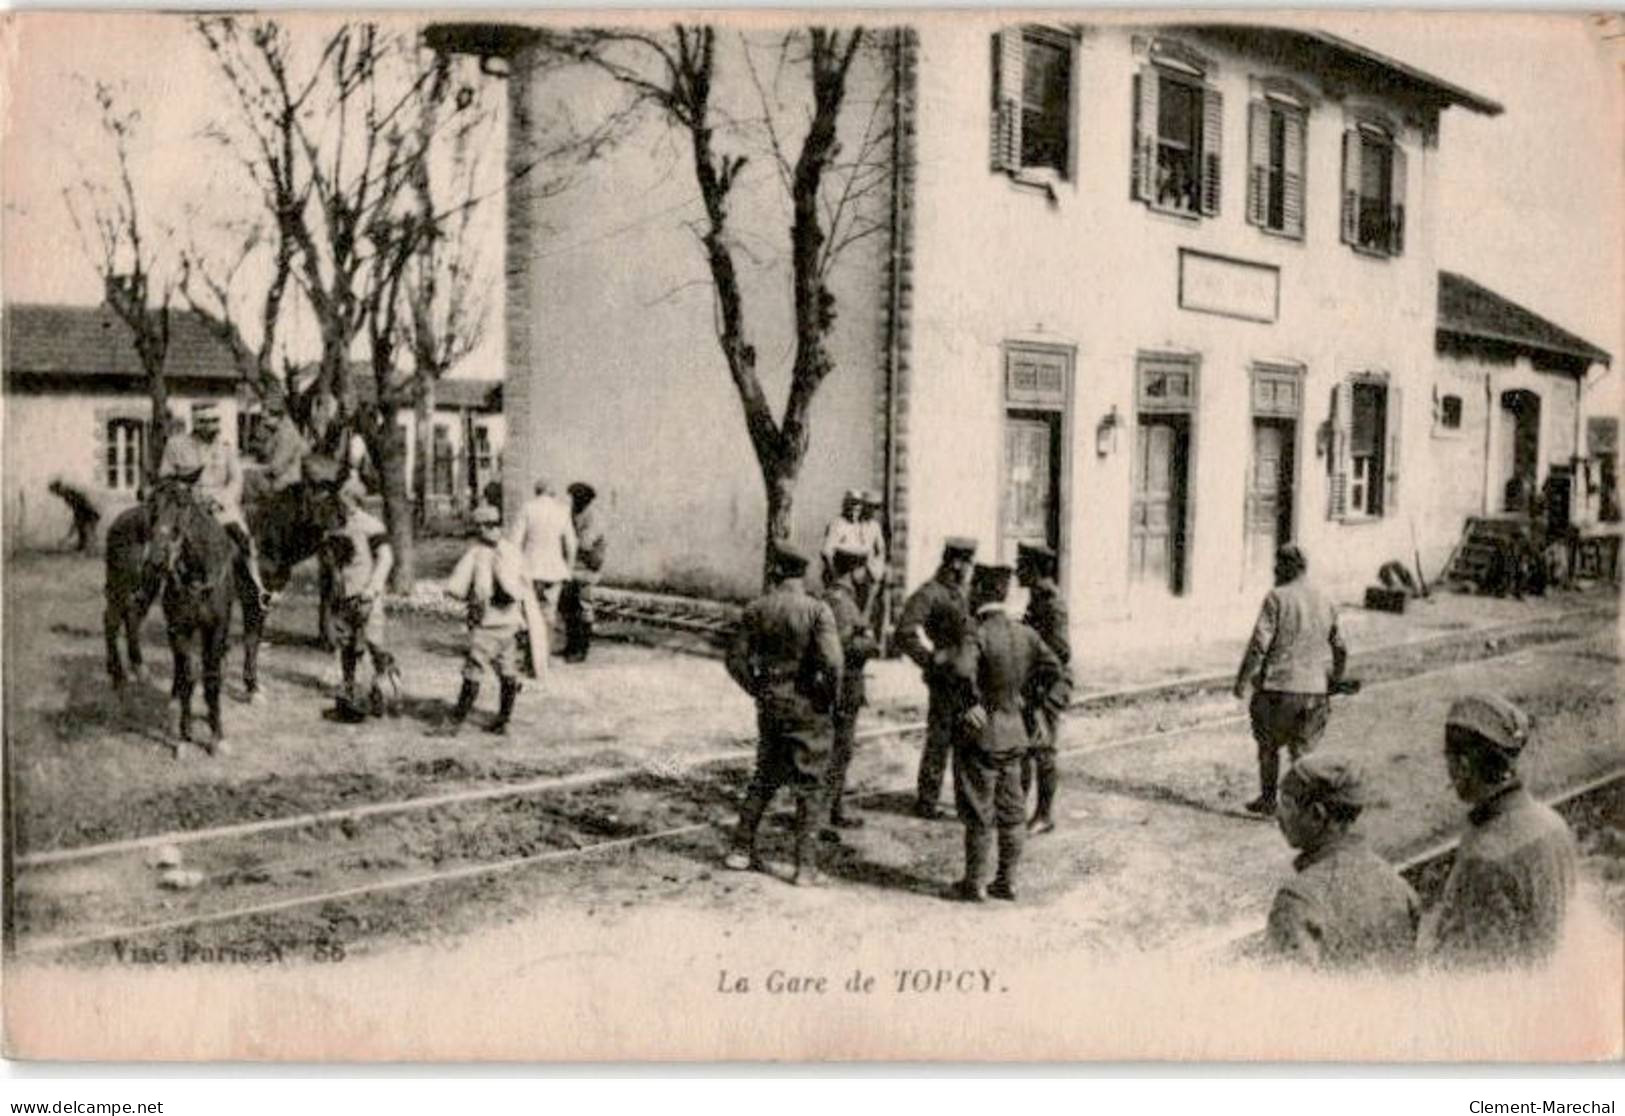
{"x": 126, "y": 443}
{"x": 1364, "y": 459}
{"x": 1161, "y": 473}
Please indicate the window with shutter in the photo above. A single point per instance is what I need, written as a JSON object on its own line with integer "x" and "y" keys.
{"x": 1032, "y": 101}
{"x": 1275, "y": 145}
{"x": 1337, "y": 453}
{"x": 1350, "y": 216}
{"x": 1294, "y": 137}
{"x": 1373, "y": 191}
{"x": 1260, "y": 122}
{"x": 1178, "y": 135}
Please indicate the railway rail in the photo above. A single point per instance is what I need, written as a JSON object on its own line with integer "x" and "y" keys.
{"x": 315, "y": 825}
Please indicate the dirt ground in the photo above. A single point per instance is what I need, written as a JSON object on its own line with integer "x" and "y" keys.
{"x": 1153, "y": 848}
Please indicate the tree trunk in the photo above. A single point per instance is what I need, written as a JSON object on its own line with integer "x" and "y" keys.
{"x": 389, "y": 448}
{"x": 780, "y": 478}
{"x": 159, "y": 391}
{"x": 423, "y": 448}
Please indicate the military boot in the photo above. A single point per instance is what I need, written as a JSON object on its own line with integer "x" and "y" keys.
{"x": 808, "y": 811}
{"x": 453, "y": 724}
{"x": 1004, "y": 884}
{"x": 743, "y": 856}
{"x": 1046, "y": 778}
{"x": 978, "y": 849}
{"x": 510, "y": 693}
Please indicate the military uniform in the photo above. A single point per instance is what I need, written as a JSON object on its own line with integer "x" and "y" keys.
{"x": 934, "y": 622}
{"x": 1046, "y": 614}
{"x": 1295, "y": 653}
{"x": 1509, "y": 891}
{"x": 218, "y": 481}
{"x": 285, "y": 456}
{"x": 857, "y": 647}
{"x": 354, "y": 551}
{"x": 1346, "y": 907}
{"x": 576, "y": 605}
{"x": 999, "y": 668}
{"x": 787, "y": 656}
{"x": 490, "y": 579}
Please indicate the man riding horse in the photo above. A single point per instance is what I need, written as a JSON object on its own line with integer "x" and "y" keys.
{"x": 211, "y": 467}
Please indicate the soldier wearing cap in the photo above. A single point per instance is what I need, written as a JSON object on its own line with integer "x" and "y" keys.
{"x": 358, "y": 555}
{"x": 998, "y": 668}
{"x": 857, "y": 648}
{"x": 1295, "y": 656}
{"x": 1345, "y": 907}
{"x": 490, "y": 579}
{"x": 1046, "y": 615}
{"x": 576, "y": 605}
{"x": 286, "y": 449}
{"x": 878, "y": 596}
{"x": 855, "y": 532}
{"x": 934, "y": 622}
{"x": 202, "y": 460}
{"x": 1514, "y": 875}
{"x": 787, "y": 656}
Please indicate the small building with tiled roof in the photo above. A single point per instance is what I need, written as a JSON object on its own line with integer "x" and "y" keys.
{"x": 77, "y": 409}
{"x": 1509, "y": 415}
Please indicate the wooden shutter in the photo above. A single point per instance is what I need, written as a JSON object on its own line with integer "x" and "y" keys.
{"x": 102, "y": 474}
{"x": 1396, "y": 201}
{"x": 1212, "y": 145}
{"x": 1351, "y": 186}
{"x": 1144, "y": 163}
{"x": 1393, "y": 415}
{"x": 1009, "y": 64}
{"x": 1292, "y": 179}
{"x": 1258, "y": 163}
{"x": 1337, "y": 454}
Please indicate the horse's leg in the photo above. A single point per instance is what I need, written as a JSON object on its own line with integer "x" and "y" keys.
{"x": 216, "y": 640}
{"x": 180, "y": 692}
{"x": 324, "y": 609}
{"x": 135, "y": 611}
{"x": 111, "y": 621}
{"x": 253, "y": 632}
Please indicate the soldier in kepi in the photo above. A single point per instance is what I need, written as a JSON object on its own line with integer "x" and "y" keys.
{"x": 203, "y": 460}
{"x": 1295, "y": 656}
{"x": 1508, "y": 894}
{"x": 360, "y": 556}
{"x": 1345, "y": 906}
{"x": 490, "y": 580}
{"x": 285, "y": 448}
{"x": 858, "y": 646}
{"x": 934, "y": 621}
{"x": 999, "y": 667}
{"x": 787, "y": 656}
{"x": 1046, "y": 615}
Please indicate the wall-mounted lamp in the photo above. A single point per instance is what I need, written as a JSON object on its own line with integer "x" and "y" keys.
{"x": 1106, "y": 433}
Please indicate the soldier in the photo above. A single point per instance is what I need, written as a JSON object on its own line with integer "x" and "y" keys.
{"x": 285, "y": 449}
{"x": 787, "y": 656}
{"x": 547, "y": 541}
{"x": 1046, "y": 615}
{"x": 490, "y": 578}
{"x": 1508, "y": 893}
{"x": 857, "y": 532}
{"x": 203, "y": 460}
{"x": 935, "y": 620}
{"x": 997, "y": 666}
{"x": 858, "y": 647}
{"x": 576, "y": 604}
{"x": 1346, "y": 906}
{"x": 85, "y": 515}
{"x": 1295, "y": 655}
{"x": 360, "y": 557}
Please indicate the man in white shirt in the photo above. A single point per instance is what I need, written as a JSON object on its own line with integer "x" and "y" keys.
{"x": 546, "y": 539}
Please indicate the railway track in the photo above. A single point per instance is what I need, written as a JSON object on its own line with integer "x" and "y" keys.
{"x": 544, "y": 822}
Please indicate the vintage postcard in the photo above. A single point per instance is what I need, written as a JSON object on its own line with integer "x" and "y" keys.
{"x": 978, "y": 536}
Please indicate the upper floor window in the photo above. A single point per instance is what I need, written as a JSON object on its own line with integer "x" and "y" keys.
{"x": 126, "y": 439}
{"x": 1449, "y": 412}
{"x": 1032, "y": 100}
{"x": 1276, "y": 140}
{"x": 1178, "y": 132}
{"x": 1373, "y": 214}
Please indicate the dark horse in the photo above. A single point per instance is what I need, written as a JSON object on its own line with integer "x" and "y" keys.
{"x": 174, "y": 549}
{"x": 288, "y": 528}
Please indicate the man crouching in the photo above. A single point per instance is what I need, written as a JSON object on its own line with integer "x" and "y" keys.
{"x": 787, "y": 656}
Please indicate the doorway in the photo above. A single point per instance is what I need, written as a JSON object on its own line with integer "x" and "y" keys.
{"x": 1159, "y": 515}
{"x": 1520, "y": 447}
{"x": 1032, "y": 481}
{"x": 1269, "y": 492}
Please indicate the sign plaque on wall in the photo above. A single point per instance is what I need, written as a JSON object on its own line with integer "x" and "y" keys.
{"x": 1223, "y": 285}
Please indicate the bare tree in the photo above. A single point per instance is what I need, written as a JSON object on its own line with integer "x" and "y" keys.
{"x": 831, "y": 202}
{"x": 131, "y": 256}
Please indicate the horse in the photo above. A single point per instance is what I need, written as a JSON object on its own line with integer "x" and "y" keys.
{"x": 173, "y": 549}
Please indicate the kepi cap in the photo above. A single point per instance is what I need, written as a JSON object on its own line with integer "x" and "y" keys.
{"x": 853, "y": 496}
{"x": 958, "y": 546}
{"x": 1323, "y": 777}
{"x": 990, "y": 581}
{"x": 788, "y": 561}
{"x": 206, "y": 411}
{"x": 1492, "y": 717}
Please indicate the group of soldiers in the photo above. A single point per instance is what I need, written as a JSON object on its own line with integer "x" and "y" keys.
{"x": 997, "y": 688}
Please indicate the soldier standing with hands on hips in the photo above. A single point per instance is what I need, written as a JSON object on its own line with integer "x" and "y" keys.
{"x": 787, "y": 656}
{"x": 1000, "y": 667}
{"x": 934, "y": 622}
